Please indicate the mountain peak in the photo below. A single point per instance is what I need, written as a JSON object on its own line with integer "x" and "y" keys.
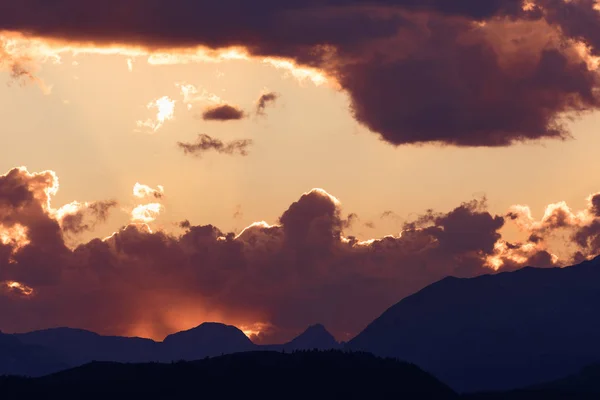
{"x": 314, "y": 337}
{"x": 207, "y": 339}
{"x": 317, "y": 328}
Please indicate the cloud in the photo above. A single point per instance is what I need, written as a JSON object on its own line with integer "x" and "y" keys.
{"x": 281, "y": 276}
{"x": 238, "y": 213}
{"x": 146, "y": 213}
{"x": 144, "y": 191}
{"x": 165, "y": 110}
{"x": 16, "y": 64}
{"x": 191, "y": 95}
{"x": 206, "y": 143}
{"x": 463, "y": 73}
{"x": 223, "y": 112}
{"x": 264, "y": 100}
{"x": 75, "y": 218}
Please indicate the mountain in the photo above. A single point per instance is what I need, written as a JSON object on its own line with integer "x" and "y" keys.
{"x": 207, "y": 340}
{"x": 79, "y": 346}
{"x": 496, "y": 332}
{"x": 268, "y": 375}
{"x": 17, "y": 358}
{"x": 76, "y": 347}
{"x": 583, "y": 385}
{"x": 315, "y": 337}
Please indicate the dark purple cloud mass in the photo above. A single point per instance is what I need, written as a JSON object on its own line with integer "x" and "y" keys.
{"x": 223, "y": 112}
{"x": 282, "y": 277}
{"x": 454, "y": 72}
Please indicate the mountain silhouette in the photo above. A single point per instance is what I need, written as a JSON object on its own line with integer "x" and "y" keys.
{"x": 315, "y": 337}
{"x": 207, "y": 340}
{"x": 74, "y": 347}
{"x": 267, "y": 375}
{"x": 496, "y": 332}
{"x": 17, "y": 358}
{"x": 78, "y": 346}
{"x": 583, "y": 385}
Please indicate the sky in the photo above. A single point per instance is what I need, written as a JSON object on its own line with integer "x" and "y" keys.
{"x": 281, "y": 164}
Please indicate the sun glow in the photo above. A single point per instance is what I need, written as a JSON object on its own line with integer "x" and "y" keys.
{"x": 256, "y": 329}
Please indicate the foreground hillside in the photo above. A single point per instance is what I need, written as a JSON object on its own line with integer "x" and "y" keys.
{"x": 496, "y": 332}
{"x": 264, "y": 375}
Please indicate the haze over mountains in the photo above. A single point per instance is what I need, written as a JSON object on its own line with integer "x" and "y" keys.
{"x": 493, "y": 332}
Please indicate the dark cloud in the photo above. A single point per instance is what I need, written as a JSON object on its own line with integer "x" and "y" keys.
{"x": 86, "y": 218}
{"x": 264, "y": 100}
{"x": 463, "y": 72}
{"x": 223, "y": 112}
{"x": 388, "y": 214}
{"x": 595, "y": 204}
{"x": 485, "y": 86}
{"x": 206, "y": 143}
{"x": 285, "y": 276}
{"x": 369, "y": 224}
{"x": 578, "y": 19}
{"x": 238, "y": 213}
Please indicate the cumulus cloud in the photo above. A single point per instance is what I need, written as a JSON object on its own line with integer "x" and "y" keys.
{"x": 464, "y": 73}
{"x": 223, "y": 112}
{"x": 206, "y": 143}
{"x": 264, "y": 100}
{"x": 285, "y": 275}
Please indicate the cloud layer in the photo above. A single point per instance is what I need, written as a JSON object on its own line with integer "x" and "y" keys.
{"x": 282, "y": 277}
{"x": 205, "y": 143}
{"x": 465, "y": 72}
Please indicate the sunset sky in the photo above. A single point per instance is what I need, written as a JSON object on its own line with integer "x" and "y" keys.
{"x": 425, "y": 127}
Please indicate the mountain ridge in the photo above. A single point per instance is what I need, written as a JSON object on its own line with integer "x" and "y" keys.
{"x": 495, "y": 332}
